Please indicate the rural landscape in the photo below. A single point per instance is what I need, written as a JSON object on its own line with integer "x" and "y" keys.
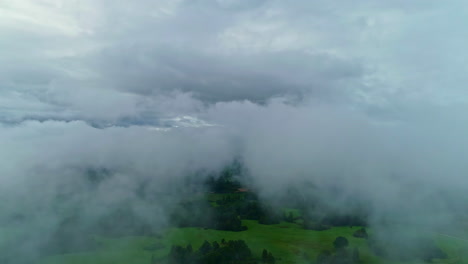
{"x": 223, "y": 221}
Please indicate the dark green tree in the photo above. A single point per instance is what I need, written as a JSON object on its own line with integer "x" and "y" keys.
{"x": 340, "y": 242}
{"x": 264, "y": 255}
{"x": 205, "y": 248}
{"x": 189, "y": 249}
{"x": 361, "y": 233}
{"x": 215, "y": 245}
{"x": 270, "y": 258}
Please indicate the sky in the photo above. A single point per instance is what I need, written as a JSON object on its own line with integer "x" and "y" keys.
{"x": 364, "y": 94}
{"x": 111, "y": 61}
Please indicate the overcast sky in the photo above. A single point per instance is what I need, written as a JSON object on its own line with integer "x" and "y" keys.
{"x": 338, "y": 91}
{"x": 111, "y": 61}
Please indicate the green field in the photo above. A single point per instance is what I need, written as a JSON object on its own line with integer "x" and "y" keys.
{"x": 288, "y": 242}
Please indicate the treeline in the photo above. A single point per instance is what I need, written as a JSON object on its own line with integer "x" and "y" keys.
{"x": 237, "y": 203}
{"x": 199, "y": 214}
{"x": 248, "y": 207}
{"x": 232, "y": 206}
{"x": 225, "y": 252}
{"x": 225, "y": 216}
{"x": 225, "y": 183}
{"x": 226, "y": 212}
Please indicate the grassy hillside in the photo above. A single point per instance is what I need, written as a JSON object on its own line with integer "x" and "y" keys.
{"x": 287, "y": 241}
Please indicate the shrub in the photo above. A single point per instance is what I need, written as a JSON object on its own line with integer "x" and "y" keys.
{"x": 340, "y": 242}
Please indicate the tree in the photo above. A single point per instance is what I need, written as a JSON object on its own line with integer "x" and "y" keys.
{"x": 227, "y": 219}
{"x": 189, "y": 249}
{"x": 361, "y": 233}
{"x": 340, "y": 242}
{"x": 178, "y": 255}
{"x": 270, "y": 258}
{"x": 205, "y": 248}
{"x": 264, "y": 255}
{"x": 232, "y": 251}
{"x": 215, "y": 245}
{"x": 267, "y": 257}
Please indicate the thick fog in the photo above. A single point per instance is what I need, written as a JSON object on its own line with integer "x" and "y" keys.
{"x": 365, "y": 97}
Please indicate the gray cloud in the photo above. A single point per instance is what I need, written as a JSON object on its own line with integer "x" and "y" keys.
{"x": 61, "y": 54}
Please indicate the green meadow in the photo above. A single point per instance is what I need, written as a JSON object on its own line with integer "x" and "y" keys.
{"x": 288, "y": 242}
